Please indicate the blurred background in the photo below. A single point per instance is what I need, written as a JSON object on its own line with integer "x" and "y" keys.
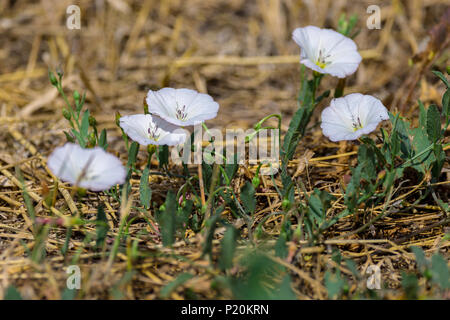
{"x": 238, "y": 51}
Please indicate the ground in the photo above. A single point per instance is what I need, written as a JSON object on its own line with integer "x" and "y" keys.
{"x": 241, "y": 53}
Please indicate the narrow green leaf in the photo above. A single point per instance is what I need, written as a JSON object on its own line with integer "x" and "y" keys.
{"x": 446, "y": 103}
{"x": 440, "y": 271}
{"x": 163, "y": 156}
{"x": 101, "y": 226}
{"x": 167, "y": 219}
{"x": 248, "y": 197}
{"x": 132, "y": 154}
{"x": 102, "y": 141}
{"x": 228, "y": 247}
{"x": 85, "y": 124}
{"x": 11, "y": 293}
{"x": 144, "y": 189}
{"x": 442, "y": 77}
{"x": 169, "y": 288}
{"x": 69, "y": 137}
{"x": 433, "y": 123}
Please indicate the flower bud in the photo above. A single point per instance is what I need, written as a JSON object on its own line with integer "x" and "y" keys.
{"x": 76, "y": 96}
{"x": 53, "y": 79}
{"x": 118, "y": 116}
{"x": 286, "y": 204}
{"x": 145, "y": 107}
{"x": 255, "y": 182}
{"x": 66, "y": 114}
{"x": 92, "y": 121}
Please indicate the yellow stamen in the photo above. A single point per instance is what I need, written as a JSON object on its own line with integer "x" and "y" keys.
{"x": 321, "y": 64}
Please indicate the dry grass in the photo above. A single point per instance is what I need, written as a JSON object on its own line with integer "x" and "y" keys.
{"x": 238, "y": 51}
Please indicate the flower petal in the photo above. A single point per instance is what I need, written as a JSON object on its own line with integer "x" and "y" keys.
{"x": 327, "y": 51}
{"x": 182, "y": 107}
{"x": 140, "y": 126}
{"x": 350, "y": 117}
{"x": 92, "y": 169}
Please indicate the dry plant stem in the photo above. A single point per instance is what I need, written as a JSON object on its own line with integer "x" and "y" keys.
{"x": 201, "y": 185}
{"x": 427, "y": 228}
{"x": 214, "y": 179}
{"x": 368, "y": 224}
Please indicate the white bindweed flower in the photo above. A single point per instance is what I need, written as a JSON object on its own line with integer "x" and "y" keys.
{"x": 92, "y": 169}
{"x": 327, "y": 51}
{"x": 182, "y": 107}
{"x": 147, "y": 129}
{"x": 350, "y": 117}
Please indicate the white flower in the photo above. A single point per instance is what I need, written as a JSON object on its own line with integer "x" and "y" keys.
{"x": 182, "y": 107}
{"x": 146, "y": 129}
{"x": 327, "y": 51}
{"x": 350, "y": 117}
{"x": 92, "y": 169}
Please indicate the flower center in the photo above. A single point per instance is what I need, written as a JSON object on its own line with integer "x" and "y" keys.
{"x": 181, "y": 113}
{"x": 356, "y": 123}
{"x": 322, "y": 59}
{"x": 154, "y": 131}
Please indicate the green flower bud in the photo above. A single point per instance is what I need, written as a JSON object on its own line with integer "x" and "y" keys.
{"x": 286, "y": 204}
{"x": 151, "y": 149}
{"x": 66, "y": 114}
{"x": 53, "y": 79}
{"x": 145, "y": 107}
{"x": 255, "y": 182}
{"x": 92, "y": 121}
{"x": 81, "y": 192}
{"x": 118, "y": 116}
{"x": 76, "y": 96}
{"x": 92, "y": 139}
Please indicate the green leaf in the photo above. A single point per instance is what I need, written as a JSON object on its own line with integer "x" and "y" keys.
{"x": 299, "y": 121}
{"x": 440, "y": 271}
{"x": 433, "y": 123}
{"x": 132, "y": 154}
{"x": 167, "y": 219}
{"x": 144, "y": 189}
{"x": 101, "y": 226}
{"x": 211, "y": 225}
{"x": 410, "y": 285}
{"x": 69, "y": 294}
{"x": 422, "y": 115}
{"x": 85, "y": 124}
{"x": 69, "y": 137}
{"x": 163, "y": 156}
{"x": 169, "y": 288}
{"x": 80, "y": 139}
{"x": 334, "y": 284}
{"x": 351, "y": 265}
{"x": 227, "y": 248}
{"x": 102, "y": 141}
{"x": 446, "y": 103}
{"x": 11, "y": 293}
{"x": 318, "y": 203}
{"x": 261, "y": 279}
{"x": 421, "y": 260}
{"x": 79, "y": 105}
{"x": 248, "y": 197}
{"x": 442, "y": 77}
